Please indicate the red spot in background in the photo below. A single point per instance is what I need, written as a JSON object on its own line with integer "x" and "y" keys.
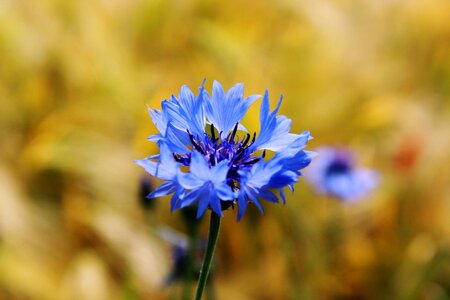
{"x": 407, "y": 153}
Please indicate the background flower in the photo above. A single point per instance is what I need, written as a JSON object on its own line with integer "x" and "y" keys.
{"x": 336, "y": 173}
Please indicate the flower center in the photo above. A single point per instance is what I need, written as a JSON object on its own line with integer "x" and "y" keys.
{"x": 338, "y": 167}
{"x": 216, "y": 149}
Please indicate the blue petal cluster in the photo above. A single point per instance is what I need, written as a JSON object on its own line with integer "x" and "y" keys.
{"x": 335, "y": 173}
{"x": 208, "y": 158}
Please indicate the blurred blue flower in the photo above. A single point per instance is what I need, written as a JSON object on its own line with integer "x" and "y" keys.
{"x": 335, "y": 173}
{"x": 145, "y": 188}
{"x": 208, "y": 158}
{"x": 179, "y": 255}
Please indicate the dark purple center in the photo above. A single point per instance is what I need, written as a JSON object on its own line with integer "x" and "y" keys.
{"x": 215, "y": 150}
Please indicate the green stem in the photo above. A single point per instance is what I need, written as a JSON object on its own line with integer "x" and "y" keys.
{"x": 213, "y": 235}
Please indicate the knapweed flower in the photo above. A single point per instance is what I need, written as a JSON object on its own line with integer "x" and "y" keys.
{"x": 180, "y": 256}
{"x": 208, "y": 158}
{"x": 145, "y": 188}
{"x": 335, "y": 173}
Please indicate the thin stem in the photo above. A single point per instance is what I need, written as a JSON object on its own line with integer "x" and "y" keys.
{"x": 213, "y": 235}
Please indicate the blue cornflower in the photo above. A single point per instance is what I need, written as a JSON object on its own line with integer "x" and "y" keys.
{"x": 335, "y": 173}
{"x": 180, "y": 255}
{"x": 207, "y": 157}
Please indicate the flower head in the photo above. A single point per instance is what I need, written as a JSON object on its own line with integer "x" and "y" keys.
{"x": 226, "y": 164}
{"x": 335, "y": 173}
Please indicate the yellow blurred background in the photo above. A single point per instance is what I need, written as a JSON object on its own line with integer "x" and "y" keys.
{"x": 75, "y": 78}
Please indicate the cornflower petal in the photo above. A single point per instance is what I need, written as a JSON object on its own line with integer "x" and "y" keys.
{"x": 186, "y": 111}
{"x": 189, "y": 181}
{"x": 176, "y": 140}
{"x": 164, "y": 189}
{"x": 165, "y": 168}
{"x": 214, "y": 202}
{"x": 274, "y": 134}
{"x": 282, "y": 195}
{"x": 176, "y": 198}
{"x": 189, "y": 199}
{"x": 199, "y": 167}
{"x": 225, "y": 110}
{"x": 203, "y": 202}
{"x": 223, "y": 191}
{"x": 158, "y": 118}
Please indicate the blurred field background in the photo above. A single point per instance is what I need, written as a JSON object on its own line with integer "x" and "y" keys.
{"x": 75, "y": 78}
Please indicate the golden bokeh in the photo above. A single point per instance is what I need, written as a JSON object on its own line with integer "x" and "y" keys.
{"x": 75, "y": 79}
